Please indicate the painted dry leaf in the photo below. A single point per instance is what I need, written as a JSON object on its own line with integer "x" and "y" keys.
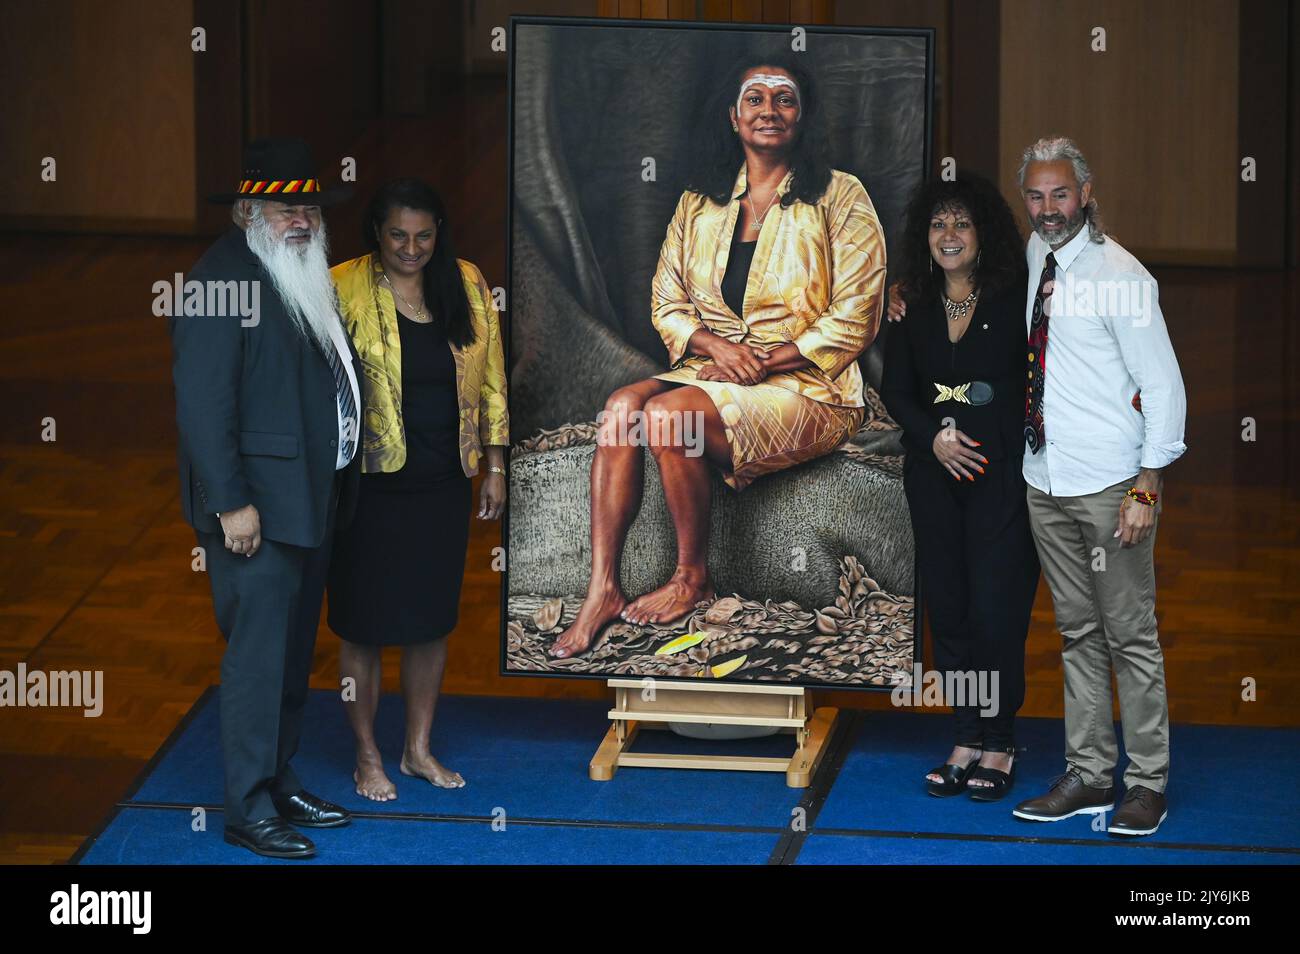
{"x": 825, "y": 624}
{"x": 681, "y": 643}
{"x": 723, "y": 610}
{"x": 548, "y": 615}
{"x": 728, "y": 667}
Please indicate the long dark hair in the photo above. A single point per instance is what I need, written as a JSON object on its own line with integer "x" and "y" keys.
{"x": 444, "y": 288}
{"x": 718, "y": 153}
{"x": 1002, "y": 251}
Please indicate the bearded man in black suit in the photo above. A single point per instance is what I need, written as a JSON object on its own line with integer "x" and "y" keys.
{"x": 266, "y": 409}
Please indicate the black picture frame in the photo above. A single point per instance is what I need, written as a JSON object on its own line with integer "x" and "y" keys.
{"x": 927, "y": 34}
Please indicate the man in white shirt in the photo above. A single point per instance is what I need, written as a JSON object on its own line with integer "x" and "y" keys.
{"x": 1105, "y": 410}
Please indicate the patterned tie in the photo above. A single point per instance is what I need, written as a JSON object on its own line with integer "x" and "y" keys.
{"x": 343, "y": 394}
{"x": 1038, "y": 358}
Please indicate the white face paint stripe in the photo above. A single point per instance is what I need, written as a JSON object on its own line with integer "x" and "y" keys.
{"x": 771, "y": 81}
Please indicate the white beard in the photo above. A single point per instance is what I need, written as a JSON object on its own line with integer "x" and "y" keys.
{"x": 300, "y": 275}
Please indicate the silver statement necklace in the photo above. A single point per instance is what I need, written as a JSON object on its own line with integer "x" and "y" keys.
{"x": 958, "y": 310}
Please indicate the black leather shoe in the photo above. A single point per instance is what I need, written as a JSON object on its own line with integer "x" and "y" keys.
{"x": 307, "y": 811}
{"x": 271, "y": 837}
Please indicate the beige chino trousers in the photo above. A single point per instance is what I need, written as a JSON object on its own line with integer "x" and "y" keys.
{"x": 1104, "y": 596}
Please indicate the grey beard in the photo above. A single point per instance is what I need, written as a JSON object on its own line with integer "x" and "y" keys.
{"x": 1070, "y": 227}
{"x": 300, "y": 276}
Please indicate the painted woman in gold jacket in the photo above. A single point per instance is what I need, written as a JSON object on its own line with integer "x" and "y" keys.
{"x": 770, "y": 284}
{"x": 434, "y": 406}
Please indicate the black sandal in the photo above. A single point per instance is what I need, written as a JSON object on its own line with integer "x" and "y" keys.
{"x": 954, "y": 777}
{"x": 1001, "y": 781}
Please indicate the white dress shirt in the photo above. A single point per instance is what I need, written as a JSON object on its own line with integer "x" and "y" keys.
{"x": 1106, "y": 341}
{"x": 345, "y": 358}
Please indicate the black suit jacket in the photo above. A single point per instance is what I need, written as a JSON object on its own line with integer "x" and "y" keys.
{"x": 918, "y": 355}
{"x": 255, "y": 411}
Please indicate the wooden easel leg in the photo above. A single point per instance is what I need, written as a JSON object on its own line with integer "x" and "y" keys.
{"x": 617, "y": 740}
{"x": 812, "y": 745}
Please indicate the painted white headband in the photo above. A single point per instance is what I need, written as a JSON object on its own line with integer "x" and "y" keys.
{"x": 771, "y": 81}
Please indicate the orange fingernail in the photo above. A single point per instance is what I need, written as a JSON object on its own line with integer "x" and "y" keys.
{"x": 970, "y": 478}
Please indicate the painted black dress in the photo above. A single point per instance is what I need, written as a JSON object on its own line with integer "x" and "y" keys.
{"x": 396, "y": 572}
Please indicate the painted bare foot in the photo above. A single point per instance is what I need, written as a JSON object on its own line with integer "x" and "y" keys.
{"x": 597, "y": 610}
{"x": 372, "y": 782}
{"x": 670, "y": 602}
{"x": 425, "y": 766}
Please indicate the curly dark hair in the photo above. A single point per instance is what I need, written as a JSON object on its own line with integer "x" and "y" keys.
{"x": 718, "y": 153}
{"x": 1002, "y": 250}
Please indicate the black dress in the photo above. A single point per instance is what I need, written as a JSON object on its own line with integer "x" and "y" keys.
{"x": 977, "y": 566}
{"x": 396, "y": 572}
{"x": 736, "y": 277}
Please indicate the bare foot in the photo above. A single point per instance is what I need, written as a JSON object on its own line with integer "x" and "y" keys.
{"x": 670, "y": 602}
{"x": 371, "y": 780}
{"x": 597, "y": 610}
{"x": 427, "y": 767}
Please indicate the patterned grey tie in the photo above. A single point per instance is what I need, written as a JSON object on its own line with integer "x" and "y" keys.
{"x": 347, "y": 407}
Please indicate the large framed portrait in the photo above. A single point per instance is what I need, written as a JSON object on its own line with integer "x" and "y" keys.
{"x": 704, "y": 483}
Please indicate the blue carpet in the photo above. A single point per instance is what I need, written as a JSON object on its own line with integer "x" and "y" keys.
{"x": 1230, "y": 786}
{"x": 528, "y": 756}
{"x": 141, "y": 836}
{"x": 867, "y": 850}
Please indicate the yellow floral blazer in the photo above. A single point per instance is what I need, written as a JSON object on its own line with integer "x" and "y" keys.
{"x": 817, "y": 279}
{"x": 370, "y": 316}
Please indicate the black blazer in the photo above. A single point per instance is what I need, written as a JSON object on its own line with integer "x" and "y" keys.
{"x": 919, "y": 355}
{"x": 256, "y": 411}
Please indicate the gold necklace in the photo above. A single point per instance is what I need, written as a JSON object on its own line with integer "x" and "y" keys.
{"x": 420, "y": 315}
{"x": 757, "y": 222}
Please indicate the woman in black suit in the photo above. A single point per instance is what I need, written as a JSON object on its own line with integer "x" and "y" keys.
{"x": 954, "y": 381}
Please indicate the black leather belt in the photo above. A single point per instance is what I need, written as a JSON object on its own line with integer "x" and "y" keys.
{"x": 972, "y": 392}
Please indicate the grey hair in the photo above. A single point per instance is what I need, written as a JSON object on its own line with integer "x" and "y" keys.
{"x": 237, "y": 212}
{"x": 1055, "y": 149}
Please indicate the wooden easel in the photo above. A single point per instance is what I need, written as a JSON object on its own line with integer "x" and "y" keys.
{"x": 726, "y": 704}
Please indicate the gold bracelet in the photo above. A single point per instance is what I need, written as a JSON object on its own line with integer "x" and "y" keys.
{"x": 492, "y": 468}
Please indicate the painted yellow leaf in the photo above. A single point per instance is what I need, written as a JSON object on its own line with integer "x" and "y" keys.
{"x": 728, "y": 667}
{"x": 683, "y": 642}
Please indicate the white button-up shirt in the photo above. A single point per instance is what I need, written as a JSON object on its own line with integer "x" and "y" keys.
{"x": 1106, "y": 341}
{"x": 352, "y": 427}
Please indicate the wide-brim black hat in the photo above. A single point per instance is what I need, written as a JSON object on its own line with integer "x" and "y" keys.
{"x": 281, "y": 170}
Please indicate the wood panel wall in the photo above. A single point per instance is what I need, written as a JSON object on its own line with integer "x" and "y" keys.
{"x": 1156, "y": 114}
{"x": 107, "y": 90}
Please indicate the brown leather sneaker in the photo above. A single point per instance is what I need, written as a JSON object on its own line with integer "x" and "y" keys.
{"x": 1067, "y": 797}
{"x": 1140, "y": 813}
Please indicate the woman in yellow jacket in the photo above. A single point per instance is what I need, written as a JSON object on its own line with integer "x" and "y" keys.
{"x": 770, "y": 283}
{"x": 434, "y": 402}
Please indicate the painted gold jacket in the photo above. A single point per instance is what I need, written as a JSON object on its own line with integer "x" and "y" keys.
{"x": 370, "y": 316}
{"x": 817, "y": 279}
